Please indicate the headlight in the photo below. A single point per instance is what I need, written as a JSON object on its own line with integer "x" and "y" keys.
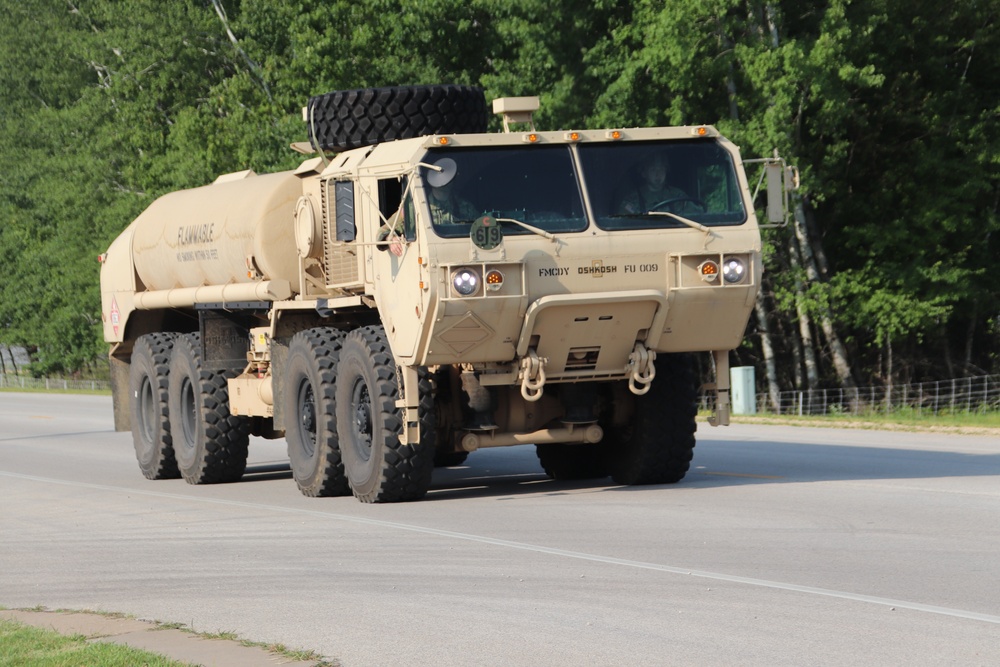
{"x": 465, "y": 281}
{"x": 733, "y": 270}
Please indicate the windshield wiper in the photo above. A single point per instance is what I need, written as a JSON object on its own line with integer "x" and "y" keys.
{"x": 687, "y": 221}
{"x": 541, "y": 232}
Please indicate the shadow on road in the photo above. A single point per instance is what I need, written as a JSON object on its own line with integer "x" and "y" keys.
{"x": 720, "y": 464}
{"x": 509, "y": 472}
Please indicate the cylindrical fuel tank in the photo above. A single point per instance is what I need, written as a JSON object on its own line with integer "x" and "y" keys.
{"x": 204, "y": 236}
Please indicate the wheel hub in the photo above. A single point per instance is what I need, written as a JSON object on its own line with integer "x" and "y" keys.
{"x": 308, "y": 417}
{"x": 363, "y": 418}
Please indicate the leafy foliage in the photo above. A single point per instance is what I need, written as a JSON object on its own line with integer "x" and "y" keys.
{"x": 889, "y": 108}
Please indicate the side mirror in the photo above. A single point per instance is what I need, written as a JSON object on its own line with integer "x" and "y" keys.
{"x": 442, "y": 172}
{"x": 781, "y": 179}
{"x": 776, "y": 198}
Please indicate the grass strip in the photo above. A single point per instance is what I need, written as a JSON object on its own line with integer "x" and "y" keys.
{"x": 28, "y": 646}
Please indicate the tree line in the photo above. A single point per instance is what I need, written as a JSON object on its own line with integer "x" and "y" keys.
{"x": 890, "y": 109}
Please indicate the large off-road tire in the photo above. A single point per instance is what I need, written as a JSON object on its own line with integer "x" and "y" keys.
{"x": 568, "y": 462}
{"x": 378, "y": 467}
{"x": 347, "y": 119}
{"x": 427, "y": 414}
{"x": 147, "y": 390}
{"x": 658, "y": 444}
{"x": 435, "y": 405}
{"x": 311, "y": 423}
{"x": 210, "y": 443}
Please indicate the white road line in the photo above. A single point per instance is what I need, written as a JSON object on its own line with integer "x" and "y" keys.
{"x": 763, "y": 583}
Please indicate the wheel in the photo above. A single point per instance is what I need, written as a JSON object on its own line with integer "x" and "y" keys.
{"x": 676, "y": 200}
{"x": 430, "y": 436}
{"x": 567, "y": 462}
{"x": 148, "y": 405}
{"x": 210, "y": 444}
{"x": 658, "y": 444}
{"x": 309, "y": 402}
{"x": 378, "y": 467}
{"x": 435, "y": 422}
{"x": 354, "y": 118}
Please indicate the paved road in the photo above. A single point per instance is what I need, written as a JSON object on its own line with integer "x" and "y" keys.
{"x": 783, "y": 546}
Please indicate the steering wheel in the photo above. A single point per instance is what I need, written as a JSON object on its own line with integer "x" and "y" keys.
{"x": 673, "y": 200}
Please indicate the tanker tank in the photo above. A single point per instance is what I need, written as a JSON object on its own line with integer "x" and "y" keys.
{"x": 217, "y": 234}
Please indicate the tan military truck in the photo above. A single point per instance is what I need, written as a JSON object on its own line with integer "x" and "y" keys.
{"x": 419, "y": 289}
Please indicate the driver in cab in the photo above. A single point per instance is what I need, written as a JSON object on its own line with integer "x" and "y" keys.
{"x": 653, "y": 192}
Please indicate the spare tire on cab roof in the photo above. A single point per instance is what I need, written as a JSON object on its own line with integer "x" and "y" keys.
{"x": 347, "y": 119}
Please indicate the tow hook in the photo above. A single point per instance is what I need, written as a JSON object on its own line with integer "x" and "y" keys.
{"x": 532, "y": 376}
{"x": 640, "y": 362}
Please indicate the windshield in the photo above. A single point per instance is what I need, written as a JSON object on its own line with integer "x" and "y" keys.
{"x": 632, "y": 185}
{"x": 536, "y": 185}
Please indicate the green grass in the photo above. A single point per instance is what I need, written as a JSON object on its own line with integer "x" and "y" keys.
{"x": 906, "y": 419}
{"x": 42, "y": 390}
{"x": 27, "y": 646}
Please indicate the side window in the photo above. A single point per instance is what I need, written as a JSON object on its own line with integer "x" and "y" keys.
{"x": 390, "y": 202}
{"x": 409, "y": 218}
{"x": 343, "y": 198}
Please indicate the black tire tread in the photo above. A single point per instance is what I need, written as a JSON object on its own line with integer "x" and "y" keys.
{"x": 439, "y": 400}
{"x": 659, "y": 446}
{"x": 404, "y": 471}
{"x": 226, "y": 436}
{"x": 156, "y": 348}
{"x": 346, "y": 119}
{"x": 328, "y": 478}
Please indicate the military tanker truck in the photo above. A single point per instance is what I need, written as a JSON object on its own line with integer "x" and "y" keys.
{"x": 420, "y": 288}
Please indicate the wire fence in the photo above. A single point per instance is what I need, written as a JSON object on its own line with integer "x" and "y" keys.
{"x": 978, "y": 394}
{"x": 8, "y": 381}
{"x": 970, "y": 394}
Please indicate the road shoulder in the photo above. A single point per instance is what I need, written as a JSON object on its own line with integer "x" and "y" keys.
{"x": 174, "y": 643}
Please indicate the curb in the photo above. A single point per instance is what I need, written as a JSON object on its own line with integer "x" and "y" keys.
{"x": 180, "y": 645}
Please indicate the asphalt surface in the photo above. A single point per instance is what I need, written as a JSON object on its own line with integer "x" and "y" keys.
{"x": 783, "y": 546}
